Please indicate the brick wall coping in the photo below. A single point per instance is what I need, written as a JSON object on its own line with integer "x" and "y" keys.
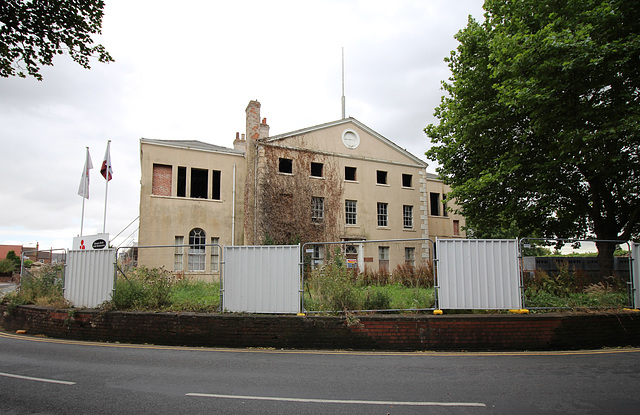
{"x": 549, "y": 331}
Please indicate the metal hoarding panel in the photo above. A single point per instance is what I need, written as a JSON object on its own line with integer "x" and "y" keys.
{"x": 262, "y": 279}
{"x": 478, "y": 274}
{"x": 89, "y": 274}
{"x": 635, "y": 264}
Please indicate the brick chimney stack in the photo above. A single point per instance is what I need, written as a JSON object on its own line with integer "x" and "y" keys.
{"x": 240, "y": 143}
{"x": 264, "y": 129}
{"x": 253, "y": 120}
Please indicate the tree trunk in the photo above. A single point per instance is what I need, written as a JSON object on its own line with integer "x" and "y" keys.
{"x": 605, "y": 257}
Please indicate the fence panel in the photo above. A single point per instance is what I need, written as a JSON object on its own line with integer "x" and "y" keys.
{"x": 89, "y": 277}
{"x": 261, "y": 279}
{"x": 635, "y": 265}
{"x": 478, "y": 274}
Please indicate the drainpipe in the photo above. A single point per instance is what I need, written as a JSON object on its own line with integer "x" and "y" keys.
{"x": 233, "y": 211}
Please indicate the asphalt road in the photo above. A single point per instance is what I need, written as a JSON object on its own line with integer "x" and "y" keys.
{"x": 48, "y": 376}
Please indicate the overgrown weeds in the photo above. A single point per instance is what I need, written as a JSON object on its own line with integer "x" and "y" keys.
{"x": 158, "y": 289}
{"x": 573, "y": 289}
{"x": 41, "y": 285}
{"x": 333, "y": 287}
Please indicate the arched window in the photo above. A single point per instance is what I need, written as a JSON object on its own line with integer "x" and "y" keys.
{"x": 197, "y": 241}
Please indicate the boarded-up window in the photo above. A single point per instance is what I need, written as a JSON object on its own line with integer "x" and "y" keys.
{"x": 161, "y": 180}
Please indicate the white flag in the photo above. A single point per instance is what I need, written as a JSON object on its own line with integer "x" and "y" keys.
{"x": 83, "y": 189}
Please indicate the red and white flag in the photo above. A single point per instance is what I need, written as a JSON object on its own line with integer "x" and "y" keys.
{"x": 83, "y": 189}
{"x": 106, "y": 164}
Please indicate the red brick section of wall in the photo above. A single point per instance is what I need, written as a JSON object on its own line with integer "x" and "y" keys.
{"x": 161, "y": 182}
{"x": 412, "y": 332}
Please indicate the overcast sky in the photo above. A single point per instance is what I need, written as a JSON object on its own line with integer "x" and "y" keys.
{"x": 187, "y": 70}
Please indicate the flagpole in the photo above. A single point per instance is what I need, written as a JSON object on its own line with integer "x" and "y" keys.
{"x": 84, "y": 176}
{"x": 106, "y": 190}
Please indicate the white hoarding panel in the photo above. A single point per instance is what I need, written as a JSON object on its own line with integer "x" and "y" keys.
{"x": 88, "y": 277}
{"x": 261, "y": 279}
{"x": 635, "y": 264}
{"x": 478, "y": 274}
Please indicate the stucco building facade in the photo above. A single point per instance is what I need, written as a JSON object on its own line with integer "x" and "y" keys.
{"x": 338, "y": 181}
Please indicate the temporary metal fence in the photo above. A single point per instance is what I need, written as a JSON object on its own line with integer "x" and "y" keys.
{"x": 89, "y": 277}
{"x": 635, "y": 271}
{"x": 478, "y": 274}
{"x": 55, "y": 259}
{"x": 261, "y": 279}
{"x": 577, "y": 272}
{"x": 411, "y": 254}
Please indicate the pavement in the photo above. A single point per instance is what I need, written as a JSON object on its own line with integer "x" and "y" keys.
{"x": 6, "y": 287}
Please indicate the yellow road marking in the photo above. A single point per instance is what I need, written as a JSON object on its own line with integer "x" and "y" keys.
{"x": 321, "y": 352}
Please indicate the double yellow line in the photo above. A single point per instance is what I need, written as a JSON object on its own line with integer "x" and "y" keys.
{"x": 25, "y": 337}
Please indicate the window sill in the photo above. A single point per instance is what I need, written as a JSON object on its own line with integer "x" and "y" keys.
{"x": 196, "y": 199}
{"x": 383, "y": 185}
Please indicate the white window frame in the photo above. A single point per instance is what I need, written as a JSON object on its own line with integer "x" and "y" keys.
{"x": 351, "y": 212}
{"x": 383, "y": 214}
{"x": 407, "y": 216}
{"x": 197, "y": 250}
{"x": 317, "y": 209}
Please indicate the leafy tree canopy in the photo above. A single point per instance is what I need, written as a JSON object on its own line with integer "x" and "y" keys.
{"x": 32, "y": 32}
{"x": 540, "y": 128}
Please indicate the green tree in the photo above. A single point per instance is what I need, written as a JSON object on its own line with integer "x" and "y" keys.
{"x": 11, "y": 255}
{"x": 33, "y": 32}
{"x": 541, "y": 124}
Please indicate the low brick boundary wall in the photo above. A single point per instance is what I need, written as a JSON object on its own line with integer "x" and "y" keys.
{"x": 381, "y": 332}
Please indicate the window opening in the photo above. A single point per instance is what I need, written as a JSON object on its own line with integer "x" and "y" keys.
{"x": 199, "y": 180}
{"x": 383, "y": 258}
{"x": 381, "y": 177}
{"x": 215, "y": 255}
{"x": 215, "y": 184}
{"x": 434, "y": 198}
{"x": 316, "y": 169}
{"x": 410, "y": 256}
{"x": 285, "y": 166}
{"x": 182, "y": 182}
{"x": 350, "y": 173}
{"x": 407, "y": 216}
{"x": 456, "y": 227}
{"x": 178, "y": 254}
{"x": 444, "y": 205}
{"x": 318, "y": 256}
{"x": 382, "y": 214}
{"x": 407, "y": 180}
{"x": 350, "y": 210}
{"x": 317, "y": 209}
{"x": 197, "y": 241}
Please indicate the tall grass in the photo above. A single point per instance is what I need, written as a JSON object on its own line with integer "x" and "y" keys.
{"x": 158, "y": 289}
{"x": 333, "y": 287}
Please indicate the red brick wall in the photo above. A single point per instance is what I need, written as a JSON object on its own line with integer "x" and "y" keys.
{"x": 161, "y": 182}
{"x": 411, "y": 332}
